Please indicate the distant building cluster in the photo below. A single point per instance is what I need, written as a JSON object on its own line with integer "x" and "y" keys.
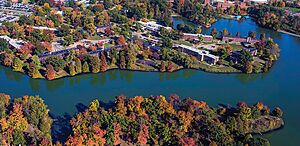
{"x": 8, "y": 18}
{"x": 225, "y": 4}
{"x": 15, "y": 5}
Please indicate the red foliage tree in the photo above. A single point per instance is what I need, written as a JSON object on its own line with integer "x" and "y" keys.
{"x": 143, "y": 135}
{"x": 117, "y": 133}
{"x": 92, "y": 48}
{"x": 26, "y": 48}
{"x": 48, "y": 46}
{"x": 29, "y": 29}
{"x": 241, "y": 104}
{"x": 181, "y": 2}
{"x": 103, "y": 63}
{"x": 187, "y": 141}
{"x": 170, "y": 67}
{"x": 121, "y": 40}
{"x": 99, "y": 134}
{"x": 120, "y": 105}
{"x": 162, "y": 67}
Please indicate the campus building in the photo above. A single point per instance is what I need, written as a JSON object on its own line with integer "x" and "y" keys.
{"x": 201, "y": 55}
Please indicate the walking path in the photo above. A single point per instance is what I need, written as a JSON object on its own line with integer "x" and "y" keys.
{"x": 295, "y": 35}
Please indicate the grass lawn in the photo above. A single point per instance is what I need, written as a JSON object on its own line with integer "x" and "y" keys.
{"x": 182, "y": 42}
{"x": 96, "y": 37}
{"x": 106, "y": 45}
{"x": 215, "y": 68}
{"x": 236, "y": 47}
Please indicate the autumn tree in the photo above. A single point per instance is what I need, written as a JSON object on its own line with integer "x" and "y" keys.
{"x": 33, "y": 70}
{"x": 143, "y": 135}
{"x": 4, "y": 102}
{"x": 162, "y": 67}
{"x": 121, "y": 40}
{"x": 122, "y": 62}
{"x": 85, "y": 67}
{"x": 17, "y": 64}
{"x": 78, "y": 65}
{"x": 72, "y": 70}
{"x": 94, "y": 63}
{"x": 103, "y": 63}
{"x": 50, "y": 72}
{"x": 130, "y": 58}
{"x": 36, "y": 61}
{"x": 114, "y": 56}
{"x": 92, "y": 48}
{"x": 8, "y": 59}
{"x": 225, "y": 32}
{"x": 117, "y": 132}
{"x": 214, "y": 32}
{"x": 48, "y": 46}
{"x": 146, "y": 53}
{"x": 170, "y": 67}
{"x": 57, "y": 62}
{"x": 120, "y": 105}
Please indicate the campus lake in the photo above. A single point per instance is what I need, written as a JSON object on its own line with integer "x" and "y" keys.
{"x": 279, "y": 87}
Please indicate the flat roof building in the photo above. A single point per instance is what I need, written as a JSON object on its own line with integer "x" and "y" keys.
{"x": 201, "y": 55}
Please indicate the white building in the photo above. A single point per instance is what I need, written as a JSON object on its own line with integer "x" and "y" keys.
{"x": 257, "y": 1}
{"x": 153, "y": 26}
{"x": 202, "y": 55}
{"x": 13, "y": 42}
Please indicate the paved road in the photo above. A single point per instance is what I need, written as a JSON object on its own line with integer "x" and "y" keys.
{"x": 67, "y": 50}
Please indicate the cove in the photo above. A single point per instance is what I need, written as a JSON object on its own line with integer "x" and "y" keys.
{"x": 278, "y": 87}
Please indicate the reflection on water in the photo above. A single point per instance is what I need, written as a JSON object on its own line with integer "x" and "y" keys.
{"x": 189, "y": 73}
{"x": 53, "y": 85}
{"x": 34, "y": 85}
{"x": 112, "y": 75}
{"x": 12, "y": 76}
{"x": 246, "y": 78}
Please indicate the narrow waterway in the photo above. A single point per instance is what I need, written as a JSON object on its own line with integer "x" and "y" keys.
{"x": 278, "y": 87}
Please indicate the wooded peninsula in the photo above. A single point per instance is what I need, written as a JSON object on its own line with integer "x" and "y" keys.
{"x": 154, "y": 120}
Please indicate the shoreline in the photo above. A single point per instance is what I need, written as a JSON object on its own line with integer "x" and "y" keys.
{"x": 137, "y": 70}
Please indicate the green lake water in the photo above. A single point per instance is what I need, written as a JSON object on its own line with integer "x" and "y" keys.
{"x": 278, "y": 87}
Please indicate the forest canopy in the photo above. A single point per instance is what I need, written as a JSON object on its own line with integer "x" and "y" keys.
{"x": 140, "y": 121}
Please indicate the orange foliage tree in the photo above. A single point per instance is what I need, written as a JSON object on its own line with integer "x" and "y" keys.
{"x": 50, "y": 72}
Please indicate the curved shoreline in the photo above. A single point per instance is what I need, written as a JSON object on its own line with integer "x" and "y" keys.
{"x": 135, "y": 70}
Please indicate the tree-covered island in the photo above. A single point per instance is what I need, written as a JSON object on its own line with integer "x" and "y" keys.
{"x": 54, "y": 39}
{"x": 139, "y": 121}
